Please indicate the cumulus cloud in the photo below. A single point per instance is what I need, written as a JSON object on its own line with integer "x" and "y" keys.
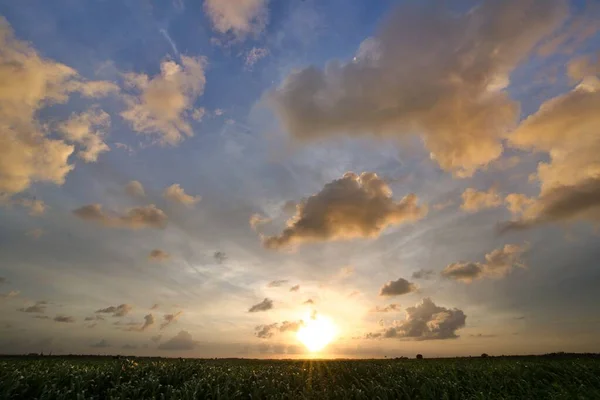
{"x": 161, "y": 105}
{"x": 158, "y": 255}
{"x": 135, "y": 189}
{"x": 28, "y": 84}
{"x": 425, "y": 321}
{"x": 238, "y": 18}
{"x": 169, "y": 319}
{"x": 423, "y": 274}
{"x": 385, "y": 309}
{"x": 277, "y": 283}
{"x": 116, "y": 311}
{"x": 182, "y": 341}
{"x": 135, "y": 218}
{"x": 176, "y": 194}
{"x": 473, "y": 200}
{"x": 36, "y": 207}
{"x": 64, "y": 319}
{"x": 517, "y": 203}
{"x": 498, "y": 264}
{"x": 350, "y": 207}
{"x": 295, "y": 288}
{"x": 428, "y": 70}
{"x": 582, "y": 67}
{"x": 267, "y": 331}
{"x": 87, "y": 129}
{"x": 39, "y": 307}
{"x": 397, "y": 288}
{"x": 264, "y": 305}
{"x": 11, "y": 294}
{"x": 567, "y": 128}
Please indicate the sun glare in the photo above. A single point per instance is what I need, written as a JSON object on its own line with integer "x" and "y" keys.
{"x": 316, "y": 333}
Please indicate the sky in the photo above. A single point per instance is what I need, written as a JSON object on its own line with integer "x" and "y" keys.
{"x": 212, "y": 178}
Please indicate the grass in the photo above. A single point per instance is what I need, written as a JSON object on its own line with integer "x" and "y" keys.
{"x": 490, "y": 378}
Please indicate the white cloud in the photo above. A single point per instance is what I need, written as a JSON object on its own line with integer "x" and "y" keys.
{"x": 237, "y": 17}
{"x": 176, "y": 193}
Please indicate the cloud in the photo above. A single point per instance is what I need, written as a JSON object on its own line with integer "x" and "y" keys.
{"x": 135, "y": 218}
{"x": 517, "y": 203}
{"x": 254, "y": 55}
{"x": 423, "y": 274}
{"x": 148, "y": 322}
{"x": 309, "y": 301}
{"x": 129, "y": 347}
{"x": 169, "y": 319}
{"x": 176, "y": 194}
{"x": 350, "y": 207}
{"x": 567, "y": 128}
{"x": 388, "y": 308}
{"x": 473, "y": 200}
{"x": 581, "y": 67}
{"x": 264, "y": 305}
{"x": 2, "y": 280}
{"x": 267, "y": 331}
{"x": 295, "y": 288}
{"x": 101, "y": 344}
{"x": 29, "y": 84}
{"x": 39, "y": 307}
{"x": 277, "y": 283}
{"x": 155, "y": 306}
{"x": 498, "y": 264}
{"x": 87, "y": 130}
{"x": 425, "y": 321}
{"x": 428, "y": 70}
{"x": 182, "y": 341}
{"x": 257, "y": 219}
{"x": 64, "y": 319}
{"x": 158, "y": 255}
{"x": 443, "y": 205}
{"x": 116, "y": 311}
{"x": 220, "y": 257}
{"x": 94, "y": 318}
{"x": 36, "y": 207}
{"x": 135, "y": 189}
{"x": 238, "y": 18}
{"x": 397, "y": 288}
{"x": 161, "y": 105}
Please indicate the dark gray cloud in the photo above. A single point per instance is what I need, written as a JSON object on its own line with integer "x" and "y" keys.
{"x": 397, "y": 288}
{"x": 117, "y": 311}
{"x": 220, "y": 257}
{"x": 295, "y": 288}
{"x": 148, "y": 322}
{"x": 64, "y": 319}
{"x": 277, "y": 283}
{"x": 425, "y": 321}
{"x": 94, "y": 318}
{"x": 158, "y": 255}
{"x": 423, "y": 274}
{"x": 39, "y": 307}
{"x": 267, "y": 331}
{"x": 156, "y": 338}
{"x": 264, "y": 305}
{"x": 170, "y": 318}
{"x": 182, "y": 341}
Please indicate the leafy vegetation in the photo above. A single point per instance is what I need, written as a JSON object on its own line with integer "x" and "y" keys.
{"x": 468, "y": 378}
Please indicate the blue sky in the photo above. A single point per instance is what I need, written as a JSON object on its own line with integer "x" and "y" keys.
{"x": 253, "y": 109}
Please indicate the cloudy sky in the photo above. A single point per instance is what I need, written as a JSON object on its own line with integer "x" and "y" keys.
{"x": 205, "y": 177}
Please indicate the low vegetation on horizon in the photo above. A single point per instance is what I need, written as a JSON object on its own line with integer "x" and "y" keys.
{"x": 566, "y": 377}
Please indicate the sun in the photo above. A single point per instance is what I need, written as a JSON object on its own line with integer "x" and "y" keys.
{"x": 316, "y": 333}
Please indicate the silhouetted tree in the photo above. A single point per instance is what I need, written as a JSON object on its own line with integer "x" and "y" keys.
{"x": 484, "y": 355}
{"x": 419, "y": 356}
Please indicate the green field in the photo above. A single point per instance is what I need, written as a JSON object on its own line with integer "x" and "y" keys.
{"x": 466, "y": 378}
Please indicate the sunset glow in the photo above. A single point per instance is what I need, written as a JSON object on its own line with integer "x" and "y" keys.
{"x": 317, "y": 333}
